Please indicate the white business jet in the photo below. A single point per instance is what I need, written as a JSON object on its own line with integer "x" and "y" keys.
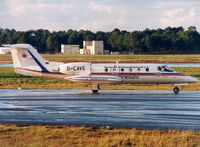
{"x": 27, "y": 61}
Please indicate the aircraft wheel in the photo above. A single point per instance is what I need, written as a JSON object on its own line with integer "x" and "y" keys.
{"x": 95, "y": 88}
{"x": 176, "y": 90}
{"x": 95, "y": 91}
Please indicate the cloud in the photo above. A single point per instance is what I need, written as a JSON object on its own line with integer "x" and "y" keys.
{"x": 107, "y": 16}
{"x": 173, "y": 13}
{"x": 104, "y": 15}
{"x": 180, "y": 17}
{"x": 33, "y": 15}
{"x": 19, "y": 9}
{"x": 179, "y": 13}
{"x": 92, "y": 25}
{"x": 100, "y": 8}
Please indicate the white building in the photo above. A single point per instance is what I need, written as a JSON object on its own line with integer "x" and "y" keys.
{"x": 4, "y": 50}
{"x": 92, "y": 47}
{"x": 69, "y": 49}
{"x": 89, "y": 48}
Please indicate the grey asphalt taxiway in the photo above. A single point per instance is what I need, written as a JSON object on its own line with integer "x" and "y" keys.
{"x": 116, "y": 108}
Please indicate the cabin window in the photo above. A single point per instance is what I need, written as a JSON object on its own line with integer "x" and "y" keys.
{"x": 122, "y": 69}
{"x": 147, "y": 69}
{"x": 138, "y": 69}
{"x": 106, "y": 70}
{"x": 130, "y": 69}
{"x": 164, "y": 69}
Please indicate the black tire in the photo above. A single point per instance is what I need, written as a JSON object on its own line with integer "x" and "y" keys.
{"x": 95, "y": 91}
{"x": 176, "y": 90}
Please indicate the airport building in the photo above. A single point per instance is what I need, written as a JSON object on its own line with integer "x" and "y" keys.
{"x": 92, "y": 48}
{"x": 70, "y": 49}
{"x": 4, "y": 50}
{"x": 89, "y": 48}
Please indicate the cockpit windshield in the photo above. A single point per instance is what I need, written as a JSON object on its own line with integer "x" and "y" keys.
{"x": 165, "y": 69}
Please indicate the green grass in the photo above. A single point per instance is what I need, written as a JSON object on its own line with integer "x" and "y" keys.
{"x": 70, "y": 136}
{"x": 9, "y": 79}
{"x": 123, "y": 58}
{"x": 113, "y": 58}
{"x": 5, "y": 58}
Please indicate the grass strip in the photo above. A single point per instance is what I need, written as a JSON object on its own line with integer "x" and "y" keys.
{"x": 193, "y": 58}
{"x": 79, "y": 136}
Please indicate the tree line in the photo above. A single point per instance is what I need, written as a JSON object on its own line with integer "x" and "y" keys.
{"x": 176, "y": 40}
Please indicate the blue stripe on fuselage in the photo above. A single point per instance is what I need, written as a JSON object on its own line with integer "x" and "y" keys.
{"x": 38, "y": 62}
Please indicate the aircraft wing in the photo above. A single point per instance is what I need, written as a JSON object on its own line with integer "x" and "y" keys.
{"x": 95, "y": 79}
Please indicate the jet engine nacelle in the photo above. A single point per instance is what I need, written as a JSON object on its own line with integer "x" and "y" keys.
{"x": 79, "y": 68}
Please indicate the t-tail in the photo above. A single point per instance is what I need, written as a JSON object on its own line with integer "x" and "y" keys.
{"x": 27, "y": 61}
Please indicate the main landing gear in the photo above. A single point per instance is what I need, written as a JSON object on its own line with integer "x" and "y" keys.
{"x": 176, "y": 90}
{"x": 95, "y": 88}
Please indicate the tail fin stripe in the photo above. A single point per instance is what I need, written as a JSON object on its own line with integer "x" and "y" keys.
{"x": 38, "y": 63}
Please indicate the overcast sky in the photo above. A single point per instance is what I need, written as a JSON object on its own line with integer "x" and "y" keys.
{"x": 98, "y": 15}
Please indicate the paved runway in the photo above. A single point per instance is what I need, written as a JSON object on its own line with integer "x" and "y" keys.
{"x": 115, "y": 108}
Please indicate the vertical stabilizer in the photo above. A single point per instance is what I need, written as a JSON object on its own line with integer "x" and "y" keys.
{"x": 26, "y": 57}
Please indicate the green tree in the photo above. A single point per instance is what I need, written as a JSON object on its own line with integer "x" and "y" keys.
{"x": 52, "y": 44}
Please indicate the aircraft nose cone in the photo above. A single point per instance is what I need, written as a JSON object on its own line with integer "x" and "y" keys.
{"x": 192, "y": 80}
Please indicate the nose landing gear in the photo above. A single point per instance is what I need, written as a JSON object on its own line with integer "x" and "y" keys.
{"x": 95, "y": 88}
{"x": 176, "y": 90}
